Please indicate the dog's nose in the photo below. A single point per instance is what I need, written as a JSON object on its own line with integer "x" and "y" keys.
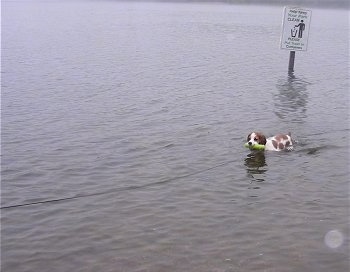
{"x": 250, "y": 143}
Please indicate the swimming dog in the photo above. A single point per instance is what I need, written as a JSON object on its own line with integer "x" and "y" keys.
{"x": 276, "y": 143}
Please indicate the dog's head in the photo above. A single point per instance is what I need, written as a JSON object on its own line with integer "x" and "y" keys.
{"x": 256, "y": 138}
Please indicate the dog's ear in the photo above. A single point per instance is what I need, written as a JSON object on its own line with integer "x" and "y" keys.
{"x": 262, "y": 139}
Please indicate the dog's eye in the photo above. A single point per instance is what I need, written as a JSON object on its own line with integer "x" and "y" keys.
{"x": 255, "y": 139}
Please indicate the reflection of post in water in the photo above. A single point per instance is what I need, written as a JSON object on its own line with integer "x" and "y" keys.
{"x": 255, "y": 162}
{"x": 291, "y": 99}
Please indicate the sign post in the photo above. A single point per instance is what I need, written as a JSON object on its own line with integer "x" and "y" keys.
{"x": 295, "y": 32}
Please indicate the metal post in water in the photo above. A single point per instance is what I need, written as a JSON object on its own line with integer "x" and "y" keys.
{"x": 291, "y": 62}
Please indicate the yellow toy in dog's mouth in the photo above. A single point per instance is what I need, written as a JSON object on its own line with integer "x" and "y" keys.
{"x": 255, "y": 147}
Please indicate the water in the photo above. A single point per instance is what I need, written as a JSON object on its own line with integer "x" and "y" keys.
{"x": 122, "y": 139}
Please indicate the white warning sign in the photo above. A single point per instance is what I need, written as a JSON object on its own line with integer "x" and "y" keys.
{"x": 295, "y": 29}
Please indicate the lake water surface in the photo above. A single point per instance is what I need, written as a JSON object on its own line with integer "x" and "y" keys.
{"x": 123, "y": 127}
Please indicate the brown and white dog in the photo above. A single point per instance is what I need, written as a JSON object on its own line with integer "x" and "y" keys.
{"x": 276, "y": 143}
